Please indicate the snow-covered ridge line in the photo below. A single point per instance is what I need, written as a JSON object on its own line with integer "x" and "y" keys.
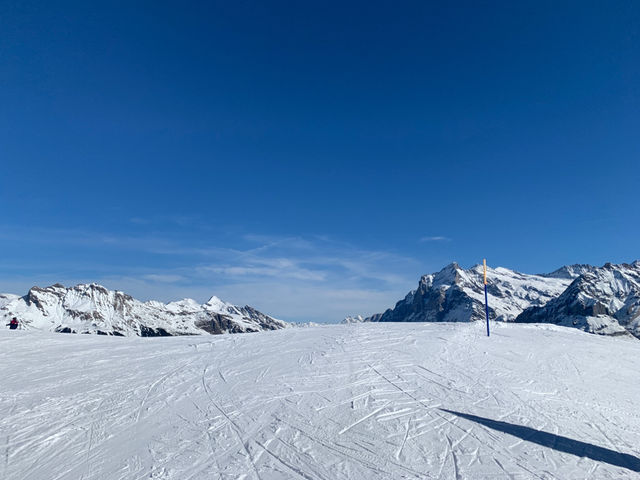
{"x": 603, "y": 300}
{"x": 92, "y": 308}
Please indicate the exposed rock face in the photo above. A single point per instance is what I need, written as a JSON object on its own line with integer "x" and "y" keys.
{"x": 602, "y": 300}
{"x": 457, "y": 295}
{"x": 92, "y": 308}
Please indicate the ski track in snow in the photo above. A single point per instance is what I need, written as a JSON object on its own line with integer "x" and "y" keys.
{"x": 359, "y": 401}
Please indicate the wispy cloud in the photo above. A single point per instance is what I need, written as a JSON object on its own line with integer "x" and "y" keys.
{"x": 310, "y": 278}
{"x": 163, "y": 278}
{"x": 179, "y": 220}
{"x": 436, "y": 238}
{"x": 286, "y": 269}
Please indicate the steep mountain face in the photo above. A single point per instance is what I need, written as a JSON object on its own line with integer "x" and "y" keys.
{"x": 92, "y": 308}
{"x": 602, "y": 300}
{"x": 457, "y": 295}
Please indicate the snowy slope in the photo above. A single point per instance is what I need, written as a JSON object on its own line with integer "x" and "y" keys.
{"x": 603, "y": 300}
{"x": 91, "y": 308}
{"x": 358, "y": 402}
{"x": 457, "y": 295}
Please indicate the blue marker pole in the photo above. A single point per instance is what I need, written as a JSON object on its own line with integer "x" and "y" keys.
{"x": 486, "y": 300}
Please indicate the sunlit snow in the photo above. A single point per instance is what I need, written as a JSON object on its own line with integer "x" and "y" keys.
{"x": 360, "y": 401}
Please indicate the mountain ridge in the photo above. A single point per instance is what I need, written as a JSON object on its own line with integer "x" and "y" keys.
{"x": 454, "y": 294}
{"x": 92, "y": 308}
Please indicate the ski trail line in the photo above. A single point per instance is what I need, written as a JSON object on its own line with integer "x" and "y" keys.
{"x": 234, "y": 427}
{"x": 364, "y": 418}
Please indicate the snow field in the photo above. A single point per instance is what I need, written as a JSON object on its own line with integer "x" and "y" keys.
{"x": 360, "y": 401}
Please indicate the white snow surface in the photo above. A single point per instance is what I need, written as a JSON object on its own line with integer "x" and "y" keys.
{"x": 359, "y": 401}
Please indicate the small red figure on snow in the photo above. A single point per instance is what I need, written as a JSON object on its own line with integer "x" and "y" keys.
{"x": 13, "y": 324}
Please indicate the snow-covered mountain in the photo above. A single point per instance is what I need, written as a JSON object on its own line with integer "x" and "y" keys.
{"x": 91, "y": 308}
{"x": 457, "y": 295}
{"x": 602, "y": 300}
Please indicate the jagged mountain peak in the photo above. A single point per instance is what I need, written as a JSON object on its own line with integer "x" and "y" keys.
{"x": 449, "y": 274}
{"x": 215, "y": 304}
{"x": 215, "y": 301}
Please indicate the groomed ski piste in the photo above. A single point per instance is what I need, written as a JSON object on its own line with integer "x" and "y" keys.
{"x": 360, "y": 401}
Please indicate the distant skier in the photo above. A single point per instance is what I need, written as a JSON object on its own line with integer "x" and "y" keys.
{"x": 13, "y": 324}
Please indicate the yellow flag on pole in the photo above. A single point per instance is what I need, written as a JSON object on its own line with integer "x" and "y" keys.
{"x": 484, "y": 264}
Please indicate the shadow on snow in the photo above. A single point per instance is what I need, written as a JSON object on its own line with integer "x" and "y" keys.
{"x": 558, "y": 442}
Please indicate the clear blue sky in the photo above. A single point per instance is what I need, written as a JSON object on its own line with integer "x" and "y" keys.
{"x": 313, "y": 158}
